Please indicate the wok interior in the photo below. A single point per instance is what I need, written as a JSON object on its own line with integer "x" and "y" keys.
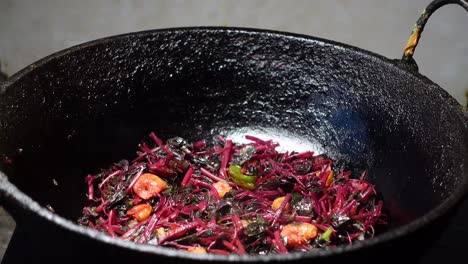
{"x": 91, "y": 106}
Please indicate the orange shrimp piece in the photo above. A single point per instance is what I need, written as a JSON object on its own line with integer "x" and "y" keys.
{"x": 298, "y": 234}
{"x": 140, "y": 212}
{"x": 222, "y": 187}
{"x": 197, "y": 250}
{"x": 148, "y": 186}
{"x": 277, "y": 203}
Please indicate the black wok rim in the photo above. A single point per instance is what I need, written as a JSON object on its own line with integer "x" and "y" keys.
{"x": 14, "y": 195}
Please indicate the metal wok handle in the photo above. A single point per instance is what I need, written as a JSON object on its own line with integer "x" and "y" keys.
{"x": 419, "y": 27}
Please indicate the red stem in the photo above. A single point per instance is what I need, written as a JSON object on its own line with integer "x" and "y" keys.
{"x": 279, "y": 243}
{"x": 231, "y": 247}
{"x": 210, "y": 175}
{"x": 134, "y": 180}
{"x": 303, "y": 155}
{"x": 187, "y": 176}
{"x": 225, "y": 158}
{"x": 149, "y": 228}
{"x": 133, "y": 229}
{"x": 210, "y": 187}
{"x": 108, "y": 178}
{"x": 89, "y": 180}
{"x": 255, "y": 139}
{"x": 280, "y": 210}
{"x": 240, "y": 247}
{"x": 179, "y": 231}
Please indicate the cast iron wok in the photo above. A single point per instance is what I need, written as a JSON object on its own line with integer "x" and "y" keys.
{"x": 83, "y": 108}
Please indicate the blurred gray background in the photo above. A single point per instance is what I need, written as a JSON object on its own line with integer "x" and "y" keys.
{"x": 30, "y": 30}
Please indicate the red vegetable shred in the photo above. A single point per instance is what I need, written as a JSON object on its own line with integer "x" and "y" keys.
{"x": 225, "y": 198}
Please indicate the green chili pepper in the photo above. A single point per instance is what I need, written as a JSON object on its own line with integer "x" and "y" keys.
{"x": 245, "y": 181}
{"x": 326, "y": 235}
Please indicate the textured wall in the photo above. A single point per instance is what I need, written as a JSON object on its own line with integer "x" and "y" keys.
{"x": 32, "y": 29}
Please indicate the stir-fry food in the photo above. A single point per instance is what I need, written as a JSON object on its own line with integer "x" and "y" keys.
{"x": 226, "y": 198}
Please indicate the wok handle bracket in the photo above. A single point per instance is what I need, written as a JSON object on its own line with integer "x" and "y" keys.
{"x": 419, "y": 27}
